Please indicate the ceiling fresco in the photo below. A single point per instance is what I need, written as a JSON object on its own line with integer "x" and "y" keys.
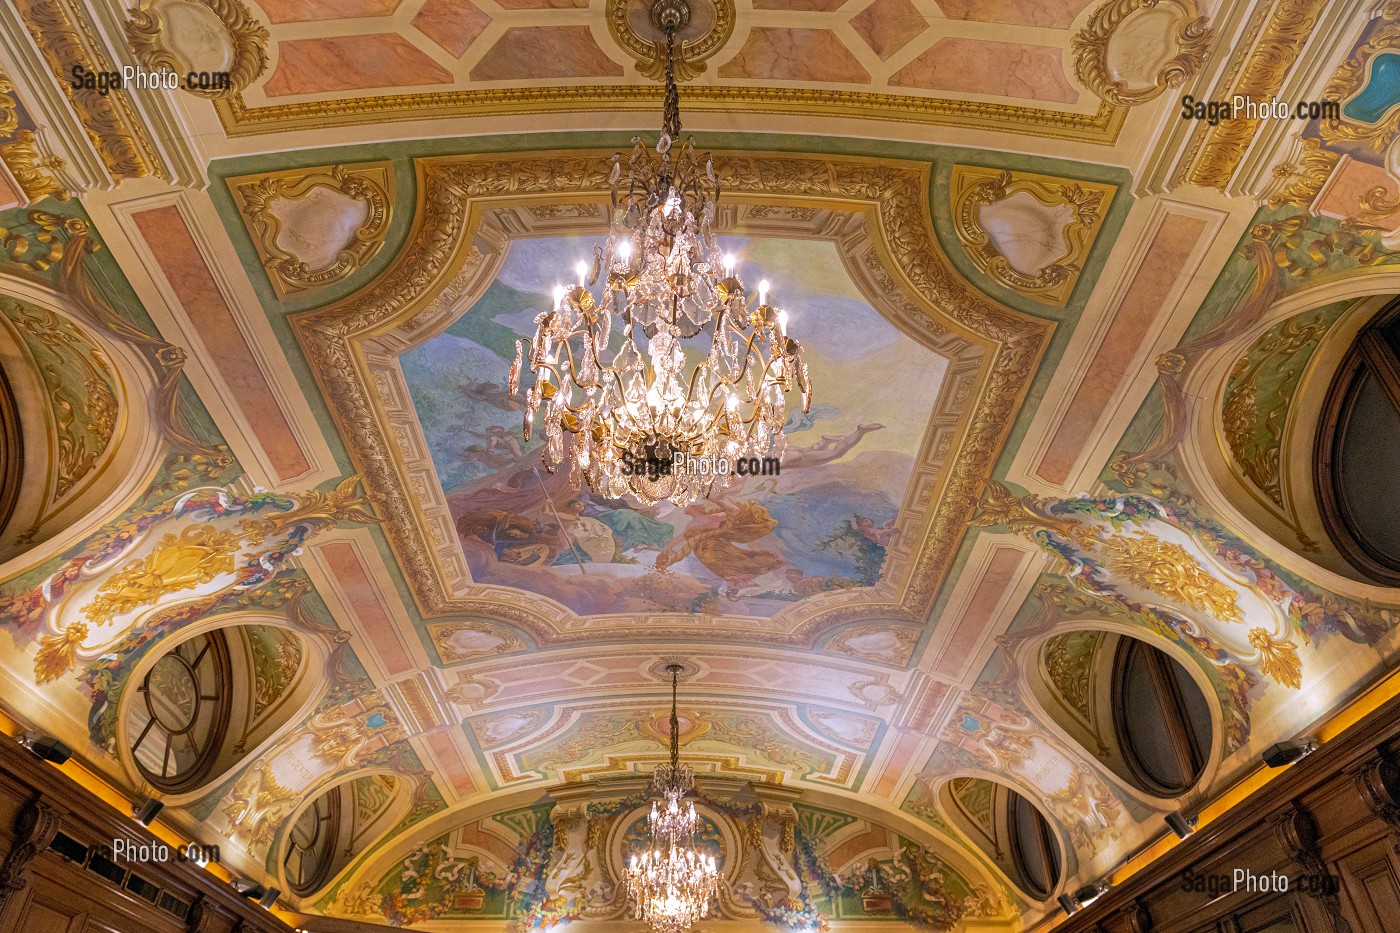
{"x": 821, "y": 525}
{"x": 1070, "y": 352}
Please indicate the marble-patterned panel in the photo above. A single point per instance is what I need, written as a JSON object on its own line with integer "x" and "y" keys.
{"x": 296, "y": 11}
{"x": 1052, "y": 14}
{"x": 795, "y": 55}
{"x": 452, "y": 24}
{"x": 888, "y": 25}
{"x": 344, "y": 63}
{"x": 534, "y": 52}
{"x": 1005, "y": 69}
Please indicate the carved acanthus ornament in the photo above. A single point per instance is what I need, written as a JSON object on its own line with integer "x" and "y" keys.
{"x": 975, "y": 188}
{"x": 68, "y": 40}
{"x": 1296, "y": 830}
{"x": 1297, "y": 182}
{"x": 247, "y": 43}
{"x": 1090, "y": 48}
{"x": 34, "y": 830}
{"x": 1260, "y": 79}
{"x": 33, "y": 170}
{"x": 711, "y": 25}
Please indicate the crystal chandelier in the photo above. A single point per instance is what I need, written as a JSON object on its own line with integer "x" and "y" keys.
{"x": 611, "y": 367}
{"x": 671, "y": 884}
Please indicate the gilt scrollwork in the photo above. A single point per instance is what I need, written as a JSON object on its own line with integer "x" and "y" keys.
{"x": 247, "y": 40}
{"x": 1090, "y": 48}
{"x": 690, "y": 52}
{"x": 973, "y": 189}
{"x": 289, "y": 272}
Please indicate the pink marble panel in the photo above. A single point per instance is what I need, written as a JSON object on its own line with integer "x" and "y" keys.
{"x": 980, "y": 613}
{"x": 366, "y": 600}
{"x": 1055, "y": 14}
{"x": 348, "y": 63}
{"x": 1000, "y": 69}
{"x": 518, "y": 683}
{"x": 453, "y": 764}
{"x": 184, "y": 267}
{"x": 452, "y": 24}
{"x": 295, "y": 11}
{"x": 805, "y": 6}
{"x": 1164, "y": 262}
{"x": 904, "y": 750}
{"x": 9, "y": 192}
{"x": 1350, "y": 182}
{"x": 795, "y": 55}
{"x": 888, "y": 25}
{"x": 528, "y": 52}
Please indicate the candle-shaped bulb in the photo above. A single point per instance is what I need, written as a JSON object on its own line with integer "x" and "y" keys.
{"x": 728, "y": 264}
{"x": 624, "y": 250}
{"x": 582, "y": 270}
{"x": 782, "y": 323}
{"x": 558, "y": 296}
{"x": 763, "y": 292}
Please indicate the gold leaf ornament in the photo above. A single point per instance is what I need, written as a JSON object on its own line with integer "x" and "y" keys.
{"x": 1277, "y": 659}
{"x": 1168, "y": 569}
{"x": 56, "y": 654}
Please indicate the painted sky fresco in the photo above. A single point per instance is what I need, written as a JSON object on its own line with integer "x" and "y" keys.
{"x": 824, "y": 524}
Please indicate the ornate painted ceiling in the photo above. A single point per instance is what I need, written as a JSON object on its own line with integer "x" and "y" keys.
{"x": 1071, "y": 351}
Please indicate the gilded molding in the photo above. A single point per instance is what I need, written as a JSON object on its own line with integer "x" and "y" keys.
{"x": 1101, "y": 127}
{"x": 1090, "y": 48}
{"x": 1348, "y": 81}
{"x": 33, "y": 170}
{"x": 975, "y": 188}
{"x": 893, "y": 195}
{"x": 9, "y": 107}
{"x": 372, "y": 184}
{"x": 690, "y": 53}
{"x": 113, "y": 126}
{"x": 1297, "y": 182}
{"x": 247, "y": 38}
{"x": 1260, "y": 79}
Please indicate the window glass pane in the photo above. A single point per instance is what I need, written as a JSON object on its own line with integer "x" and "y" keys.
{"x": 1369, "y": 463}
{"x": 1145, "y": 725}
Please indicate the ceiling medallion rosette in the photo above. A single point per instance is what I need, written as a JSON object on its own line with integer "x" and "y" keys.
{"x": 612, "y": 375}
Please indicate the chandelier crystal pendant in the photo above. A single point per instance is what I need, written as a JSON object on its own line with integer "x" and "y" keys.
{"x": 622, "y": 372}
{"x": 670, "y": 885}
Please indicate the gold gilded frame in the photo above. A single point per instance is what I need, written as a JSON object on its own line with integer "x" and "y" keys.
{"x": 1350, "y": 78}
{"x": 974, "y": 188}
{"x": 351, "y": 347}
{"x": 1090, "y": 50}
{"x": 372, "y": 183}
{"x": 248, "y": 40}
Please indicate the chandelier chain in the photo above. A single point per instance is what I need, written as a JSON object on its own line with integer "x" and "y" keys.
{"x": 675, "y": 722}
{"x": 671, "y": 110}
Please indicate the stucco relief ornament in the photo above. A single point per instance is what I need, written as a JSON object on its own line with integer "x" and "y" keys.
{"x": 1193, "y": 578}
{"x": 1116, "y": 51}
{"x": 206, "y": 545}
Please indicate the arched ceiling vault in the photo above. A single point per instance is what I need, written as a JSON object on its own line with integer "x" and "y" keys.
{"x": 1026, "y": 276}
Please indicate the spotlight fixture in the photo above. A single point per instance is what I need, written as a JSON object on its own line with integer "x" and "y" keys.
{"x": 146, "y": 809}
{"x": 269, "y": 897}
{"x": 1083, "y": 897}
{"x": 247, "y": 888}
{"x": 1090, "y": 893}
{"x": 1286, "y": 753}
{"x": 1181, "y": 823}
{"x": 46, "y": 747}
